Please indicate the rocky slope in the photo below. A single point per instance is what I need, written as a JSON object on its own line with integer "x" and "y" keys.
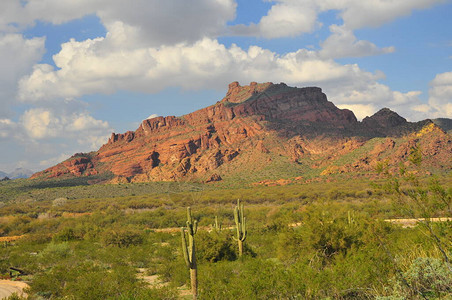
{"x": 257, "y": 132}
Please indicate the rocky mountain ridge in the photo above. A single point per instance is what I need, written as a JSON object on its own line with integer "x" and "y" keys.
{"x": 255, "y": 130}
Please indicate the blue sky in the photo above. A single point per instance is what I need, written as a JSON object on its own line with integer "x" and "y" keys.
{"x": 72, "y": 71}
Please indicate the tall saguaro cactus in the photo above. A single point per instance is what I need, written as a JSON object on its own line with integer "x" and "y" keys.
{"x": 240, "y": 222}
{"x": 189, "y": 251}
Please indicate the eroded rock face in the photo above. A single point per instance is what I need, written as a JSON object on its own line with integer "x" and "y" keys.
{"x": 78, "y": 165}
{"x": 238, "y": 94}
{"x": 251, "y": 125}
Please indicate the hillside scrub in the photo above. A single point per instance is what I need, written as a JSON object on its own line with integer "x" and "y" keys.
{"x": 303, "y": 242}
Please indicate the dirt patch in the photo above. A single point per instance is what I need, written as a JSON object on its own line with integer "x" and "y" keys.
{"x": 414, "y": 222}
{"x": 8, "y": 287}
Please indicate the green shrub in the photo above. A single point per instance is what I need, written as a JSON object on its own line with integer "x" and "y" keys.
{"x": 55, "y": 251}
{"x": 65, "y": 235}
{"x": 122, "y": 237}
{"x": 213, "y": 247}
{"x": 430, "y": 276}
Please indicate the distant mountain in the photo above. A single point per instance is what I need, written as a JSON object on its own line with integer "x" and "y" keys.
{"x": 444, "y": 123}
{"x": 258, "y": 132}
{"x": 17, "y": 173}
{"x": 21, "y": 173}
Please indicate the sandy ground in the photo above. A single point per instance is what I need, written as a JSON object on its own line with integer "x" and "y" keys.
{"x": 413, "y": 222}
{"x": 8, "y": 287}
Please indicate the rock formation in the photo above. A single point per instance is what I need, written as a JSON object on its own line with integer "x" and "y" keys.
{"x": 253, "y": 131}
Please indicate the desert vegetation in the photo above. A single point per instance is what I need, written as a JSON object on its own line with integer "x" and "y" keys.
{"x": 322, "y": 240}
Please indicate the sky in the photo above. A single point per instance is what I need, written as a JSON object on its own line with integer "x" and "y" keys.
{"x": 74, "y": 71}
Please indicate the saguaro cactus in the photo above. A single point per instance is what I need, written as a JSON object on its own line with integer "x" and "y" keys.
{"x": 189, "y": 251}
{"x": 217, "y": 225}
{"x": 240, "y": 222}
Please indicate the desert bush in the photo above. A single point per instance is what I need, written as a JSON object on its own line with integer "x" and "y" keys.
{"x": 249, "y": 279}
{"x": 171, "y": 266}
{"x": 122, "y": 237}
{"x": 59, "y": 202}
{"x": 87, "y": 281}
{"x": 213, "y": 247}
{"x": 430, "y": 276}
{"x": 425, "y": 278}
{"x": 65, "y": 235}
{"x": 55, "y": 251}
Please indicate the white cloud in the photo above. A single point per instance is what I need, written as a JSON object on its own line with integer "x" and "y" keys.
{"x": 284, "y": 19}
{"x": 288, "y": 18}
{"x": 7, "y": 128}
{"x": 367, "y": 99}
{"x": 96, "y": 66}
{"x": 373, "y": 13}
{"x": 83, "y": 69}
{"x": 360, "y": 110}
{"x": 17, "y": 57}
{"x": 152, "y": 116}
{"x": 440, "y": 95}
{"x": 170, "y": 22}
{"x": 36, "y": 123}
{"x": 40, "y": 123}
{"x": 42, "y": 134}
{"x": 12, "y": 17}
{"x": 343, "y": 43}
{"x": 155, "y": 22}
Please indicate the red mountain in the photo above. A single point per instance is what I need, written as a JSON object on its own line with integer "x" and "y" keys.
{"x": 256, "y": 132}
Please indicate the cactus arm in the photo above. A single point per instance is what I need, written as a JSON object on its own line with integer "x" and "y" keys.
{"x": 243, "y": 237}
{"x": 189, "y": 219}
{"x": 236, "y": 219}
{"x": 184, "y": 247}
{"x": 195, "y": 227}
{"x": 192, "y": 254}
{"x": 217, "y": 225}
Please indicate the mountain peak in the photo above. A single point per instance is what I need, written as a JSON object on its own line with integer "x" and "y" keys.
{"x": 384, "y": 118}
{"x": 237, "y": 93}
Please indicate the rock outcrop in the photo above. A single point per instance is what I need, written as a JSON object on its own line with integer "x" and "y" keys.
{"x": 250, "y": 130}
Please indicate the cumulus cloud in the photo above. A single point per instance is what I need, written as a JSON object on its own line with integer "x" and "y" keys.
{"x": 372, "y": 13}
{"x": 94, "y": 66}
{"x": 155, "y": 22}
{"x": 62, "y": 129}
{"x": 40, "y": 123}
{"x": 366, "y": 99}
{"x": 7, "y": 128}
{"x": 288, "y": 18}
{"x": 58, "y": 123}
{"x": 17, "y": 57}
{"x": 83, "y": 69}
{"x": 343, "y": 43}
{"x": 284, "y": 19}
{"x": 440, "y": 95}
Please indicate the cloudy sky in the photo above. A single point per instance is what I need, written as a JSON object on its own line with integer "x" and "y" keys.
{"x": 73, "y": 71}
